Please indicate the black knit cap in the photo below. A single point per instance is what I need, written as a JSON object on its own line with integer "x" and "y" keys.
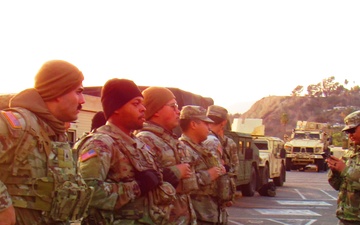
{"x": 98, "y": 120}
{"x": 116, "y": 93}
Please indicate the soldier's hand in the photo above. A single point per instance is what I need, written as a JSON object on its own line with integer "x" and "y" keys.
{"x": 336, "y": 163}
{"x": 185, "y": 170}
{"x": 215, "y": 172}
{"x": 7, "y": 216}
{"x": 147, "y": 180}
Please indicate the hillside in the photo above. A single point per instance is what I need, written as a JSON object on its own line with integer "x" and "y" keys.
{"x": 331, "y": 110}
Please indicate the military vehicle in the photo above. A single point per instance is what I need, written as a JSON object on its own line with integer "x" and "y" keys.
{"x": 272, "y": 159}
{"x": 248, "y": 177}
{"x": 270, "y": 149}
{"x": 308, "y": 145}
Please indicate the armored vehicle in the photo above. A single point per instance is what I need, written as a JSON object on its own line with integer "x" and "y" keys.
{"x": 308, "y": 144}
{"x": 248, "y": 177}
{"x": 272, "y": 159}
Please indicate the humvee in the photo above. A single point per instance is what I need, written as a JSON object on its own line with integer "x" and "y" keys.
{"x": 272, "y": 159}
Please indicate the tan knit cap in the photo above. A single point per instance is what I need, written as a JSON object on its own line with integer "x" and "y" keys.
{"x": 56, "y": 78}
{"x": 155, "y": 98}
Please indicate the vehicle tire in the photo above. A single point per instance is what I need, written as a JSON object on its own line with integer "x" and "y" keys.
{"x": 288, "y": 164}
{"x": 279, "y": 181}
{"x": 264, "y": 175}
{"x": 320, "y": 163}
{"x": 249, "y": 189}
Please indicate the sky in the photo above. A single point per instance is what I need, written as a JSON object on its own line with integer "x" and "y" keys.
{"x": 235, "y": 52}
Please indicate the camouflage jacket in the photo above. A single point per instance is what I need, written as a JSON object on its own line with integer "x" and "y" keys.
{"x": 169, "y": 152}
{"x": 5, "y": 199}
{"x": 230, "y": 155}
{"x": 205, "y": 200}
{"x": 348, "y": 184}
{"x": 32, "y": 156}
{"x": 108, "y": 160}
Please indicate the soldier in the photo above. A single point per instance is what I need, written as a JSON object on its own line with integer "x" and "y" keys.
{"x": 36, "y": 163}
{"x": 128, "y": 185}
{"x": 162, "y": 116}
{"x": 229, "y": 155}
{"x": 227, "y": 152}
{"x": 344, "y": 174}
{"x": 195, "y": 127}
{"x": 97, "y": 121}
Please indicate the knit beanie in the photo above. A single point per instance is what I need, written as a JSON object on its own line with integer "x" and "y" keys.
{"x": 116, "y": 93}
{"x": 98, "y": 120}
{"x": 155, "y": 98}
{"x": 56, "y": 78}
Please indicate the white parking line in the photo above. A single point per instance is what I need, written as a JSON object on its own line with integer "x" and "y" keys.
{"x": 278, "y": 221}
{"x": 316, "y": 203}
{"x": 288, "y": 212}
{"x": 302, "y": 196}
{"x": 334, "y": 198}
{"x": 294, "y": 221}
{"x": 234, "y": 222}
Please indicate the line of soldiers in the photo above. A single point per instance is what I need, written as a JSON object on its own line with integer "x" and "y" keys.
{"x": 132, "y": 170}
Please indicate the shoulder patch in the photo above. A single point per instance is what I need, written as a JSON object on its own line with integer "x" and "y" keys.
{"x": 87, "y": 155}
{"x": 11, "y": 118}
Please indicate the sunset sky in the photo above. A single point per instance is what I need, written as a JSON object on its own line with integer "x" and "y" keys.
{"x": 233, "y": 51}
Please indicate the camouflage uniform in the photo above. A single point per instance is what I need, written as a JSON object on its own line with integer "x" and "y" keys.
{"x": 230, "y": 155}
{"x": 108, "y": 160}
{"x": 205, "y": 199}
{"x": 231, "y": 158}
{"x": 32, "y": 157}
{"x": 348, "y": 181}
{"x": 213, "y": 144}
{"x": 5, "y": 199}
{"x": 170, "y": 151}
{"x": 348, "y": 185}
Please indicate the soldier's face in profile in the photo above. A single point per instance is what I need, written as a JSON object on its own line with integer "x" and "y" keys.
{"x": 69, "y": 105}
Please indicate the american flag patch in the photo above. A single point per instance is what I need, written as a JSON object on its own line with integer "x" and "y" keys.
{"x": 91, "y": 153}
{"x": 14, "y": 122}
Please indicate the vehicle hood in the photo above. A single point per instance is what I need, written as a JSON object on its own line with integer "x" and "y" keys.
{"x": 305, "y": 143}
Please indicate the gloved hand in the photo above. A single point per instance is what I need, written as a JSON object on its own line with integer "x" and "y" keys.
{"x": 169, "y": 176}
{"x": 147, "y": 180}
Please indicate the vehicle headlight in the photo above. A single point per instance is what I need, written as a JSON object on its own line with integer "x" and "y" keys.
{"x": 318, "y": 149}
{"x": 288, "y": 148}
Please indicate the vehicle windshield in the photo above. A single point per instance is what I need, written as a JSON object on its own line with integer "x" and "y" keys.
{"x": 314, "y": 136}
{"x": 261, "y": 146}
{"x": 299, "y": 135}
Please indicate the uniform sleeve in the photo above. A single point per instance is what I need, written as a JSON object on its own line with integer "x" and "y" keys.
{"x": 234, "y": 157}
{"x": 10, "y": 133}
{"x": 157, "y": 147}
{"x": 11, "y": 129}
{"x": 109, "y": 171}
{"x": 335, "y": 179}
{"x": 5, "y": 199}
{"x": 352, "y": 174}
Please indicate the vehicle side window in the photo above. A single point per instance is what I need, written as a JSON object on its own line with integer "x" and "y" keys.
{"x": 241, "y": 146}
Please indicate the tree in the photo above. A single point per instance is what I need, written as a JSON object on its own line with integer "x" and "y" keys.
{"x": 314, "y": 90}
{"x": 329, "y": 86}
{"x": 297, "y": 91}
